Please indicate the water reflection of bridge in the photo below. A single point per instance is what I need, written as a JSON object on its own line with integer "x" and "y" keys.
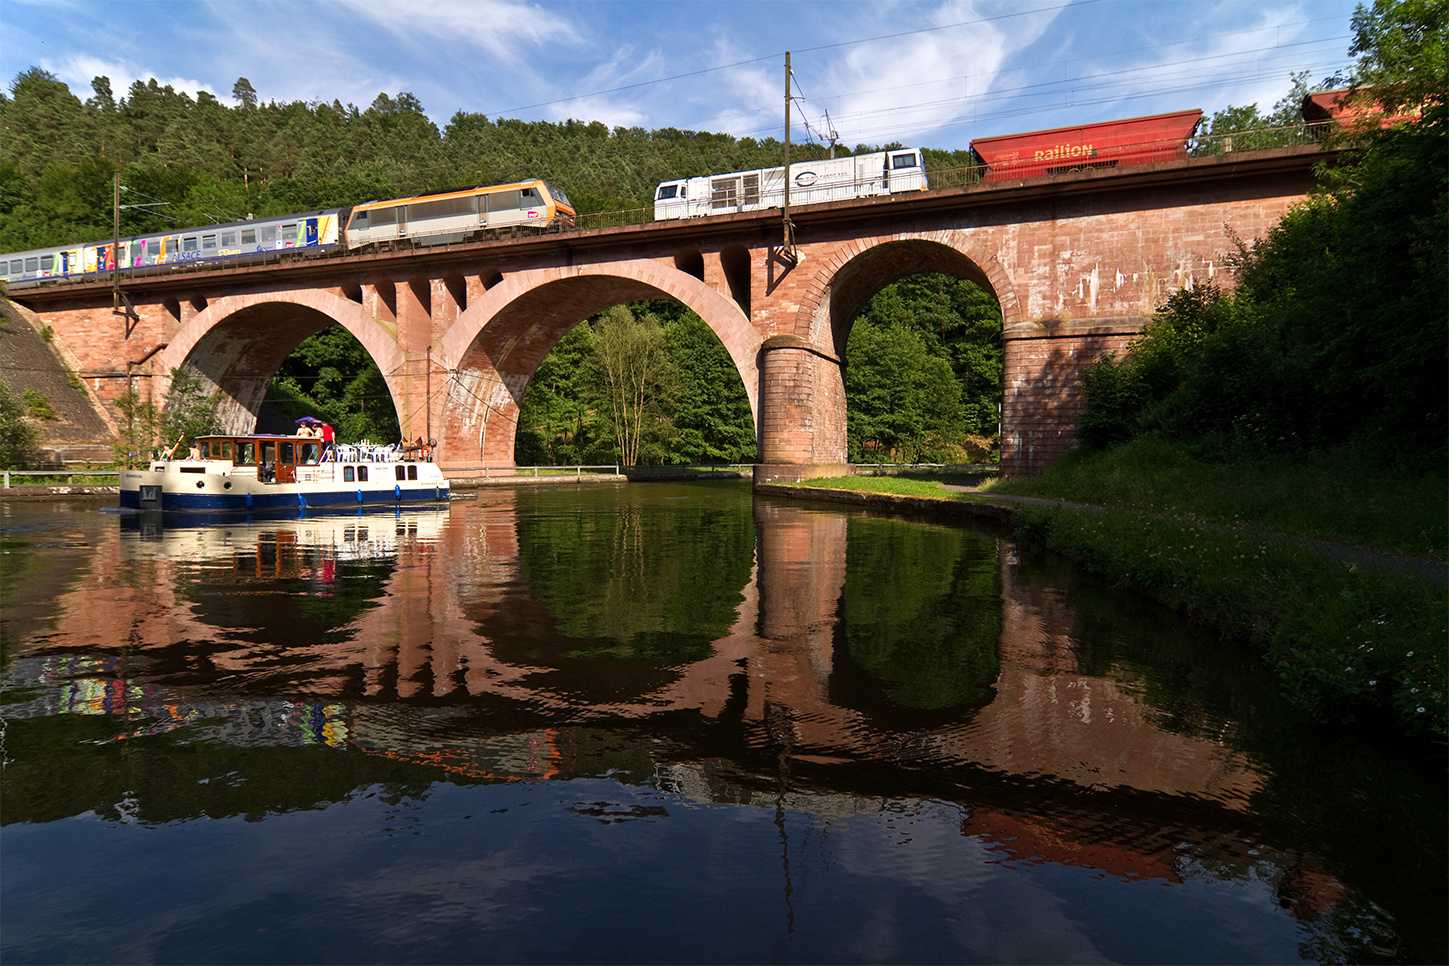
{"x": 435, "y": 590}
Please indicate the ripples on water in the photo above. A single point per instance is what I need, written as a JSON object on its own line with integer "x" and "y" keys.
{"x": 661, "y": 723}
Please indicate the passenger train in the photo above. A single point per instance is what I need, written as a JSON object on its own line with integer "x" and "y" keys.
{"x": 434, "y": 219}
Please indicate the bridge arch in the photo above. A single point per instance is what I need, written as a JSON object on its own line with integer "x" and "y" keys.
{"x": 496, "y": 345}
{"x": 238, "y": 341}
{"x": 803, "y": 412}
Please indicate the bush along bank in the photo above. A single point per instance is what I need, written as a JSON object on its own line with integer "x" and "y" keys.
{"x": 1346, "y": 642}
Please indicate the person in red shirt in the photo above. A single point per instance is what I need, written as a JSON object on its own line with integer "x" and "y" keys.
{"x": 327, "y": 438}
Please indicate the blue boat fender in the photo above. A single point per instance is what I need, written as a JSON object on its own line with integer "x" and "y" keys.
{"x": 397, "y": 491}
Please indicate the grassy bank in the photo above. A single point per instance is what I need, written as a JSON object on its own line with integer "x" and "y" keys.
{"x": 1207, "y": 538}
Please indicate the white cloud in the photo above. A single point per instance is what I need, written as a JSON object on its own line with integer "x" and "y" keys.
{"x": 501, "y": 29}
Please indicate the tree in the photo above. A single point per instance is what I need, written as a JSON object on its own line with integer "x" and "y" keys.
{"x": 904, "y": 403}
{"x": 634, "y": 379}
{"x": 17, "y": 437}
{"x": 1402, "y": 56}
{"x": 190, "y": 408}
{"x": 244, "y": 93}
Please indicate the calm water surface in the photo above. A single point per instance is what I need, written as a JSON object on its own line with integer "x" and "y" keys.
{"x": 661, "y": 723}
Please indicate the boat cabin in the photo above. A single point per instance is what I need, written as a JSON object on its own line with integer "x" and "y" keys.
{"x": 275, "y": 457}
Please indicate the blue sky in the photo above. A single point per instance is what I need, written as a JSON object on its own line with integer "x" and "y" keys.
{"x": 935, "y": 74}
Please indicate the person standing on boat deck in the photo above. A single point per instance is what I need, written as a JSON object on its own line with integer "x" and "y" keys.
{"x": 328, "y": 438}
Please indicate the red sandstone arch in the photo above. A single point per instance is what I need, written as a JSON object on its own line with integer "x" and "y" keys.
{"x": 238, "y": 342}
{"x": 803, "y": 418}
{"x": 497, "y": 344}
{"x": 856, "y": 272}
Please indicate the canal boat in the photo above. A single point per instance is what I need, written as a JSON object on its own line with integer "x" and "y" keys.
{"x": 260, "y": 471}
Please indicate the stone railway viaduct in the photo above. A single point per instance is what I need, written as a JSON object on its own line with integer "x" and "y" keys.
{"x": 1078, "y": 263}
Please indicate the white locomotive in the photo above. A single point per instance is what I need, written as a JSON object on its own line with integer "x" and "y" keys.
{"x": 811, "y": 182}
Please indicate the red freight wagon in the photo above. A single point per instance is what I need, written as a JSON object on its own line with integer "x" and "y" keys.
{"x": 1357, "y": 115}
{"x": 1137, "y": 140}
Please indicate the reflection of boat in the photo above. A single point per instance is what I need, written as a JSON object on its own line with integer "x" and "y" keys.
{"x": 246, "y": 472}
{"x": 326, "y": 535}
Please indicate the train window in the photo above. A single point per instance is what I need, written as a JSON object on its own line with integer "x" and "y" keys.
{"x": 667, "y": 191}
{"x": 529, "y": 196}
{"x": 289, "y": 233}
{"x": 359, "y": 219}
{"x": 269, "y": 235}
{"x": 903, "y": 161}
{"x": 228, "y": 239}
{"x": 558, "y": 195}
{"x": 17, "y": 266}
{"x": 47, "y": 262}
{"x": 32, "y": 264}
{"x": 724, "y": 193}
{"x": 188, "y": 244}
{"x": 208, "y": 242}
{"x": 503, "y": 200}
{"x": 249, "y": 236}
{"x": 444, "y": 208}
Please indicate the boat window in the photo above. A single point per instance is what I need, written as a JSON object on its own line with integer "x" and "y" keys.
{"x": 362, "y": 474}
{"x": 249, "y": 236}
{"x": 269, "y": 452}
{"x": 246, "y": 453}
{"x": 289, "y": 451}
{"x": 347, "y": 474}
{"x": 401, "y": 473}
{"x": 308, "y": 452}
{"x": 226, "y": 449}
{"x": 412, "y": 471}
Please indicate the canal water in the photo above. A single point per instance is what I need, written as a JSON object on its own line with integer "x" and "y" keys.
{"x": 661, "y": 723}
